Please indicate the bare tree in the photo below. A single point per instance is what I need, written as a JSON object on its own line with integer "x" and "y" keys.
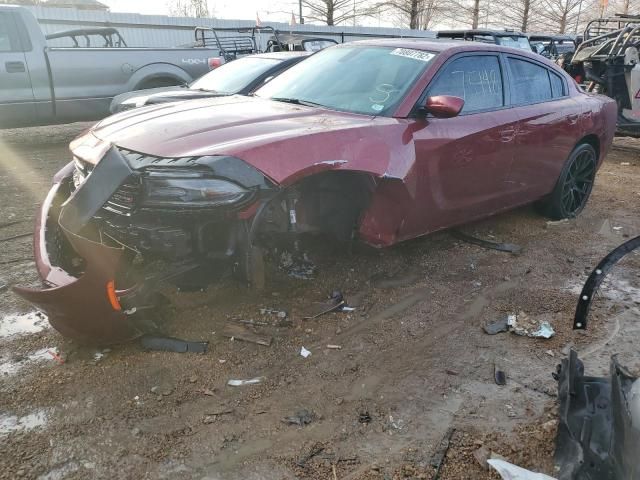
{"x": 562, "y": 16}
{"x": 334, "y": 12}
{"x": 523, "y": 15}
{"x": 415, "y": 14}
{"x": 467, "y": 13}
{"x": 189, "y": 8}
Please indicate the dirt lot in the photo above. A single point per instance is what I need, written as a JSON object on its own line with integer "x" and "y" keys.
{"x": 414, "y": 367}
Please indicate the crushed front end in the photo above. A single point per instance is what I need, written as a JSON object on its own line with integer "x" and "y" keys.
{"x": 116, "y": 224}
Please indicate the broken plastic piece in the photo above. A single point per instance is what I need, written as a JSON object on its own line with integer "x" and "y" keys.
{"x": 598, "y": 435}
{"x": 596, "y": 278}
{"x": 498, "y": 326}
{"x": 241, "y": 383}
{"x": 499, "y": 375}
{"x": 522, "y": 324}
{"x": 509, "y": 471}
{"x": 302, "y": 417}
{"x": 304, "y": 352}
{"x": 169, "y": 344}
{"x": 503, "y": 247}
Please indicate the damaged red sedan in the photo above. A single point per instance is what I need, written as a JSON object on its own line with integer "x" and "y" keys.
{"x": 381, "y": 141}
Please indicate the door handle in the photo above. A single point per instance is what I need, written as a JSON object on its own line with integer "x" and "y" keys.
{"x": 15, "y": 67}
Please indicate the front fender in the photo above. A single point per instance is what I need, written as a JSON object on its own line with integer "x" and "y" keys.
{"x": 153, "y": 71}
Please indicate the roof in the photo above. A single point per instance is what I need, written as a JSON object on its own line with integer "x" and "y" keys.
{"x": 279, "y": 55}
{"x": 79, "y": 4}
{"x": 551, "y": 36}
{"x": 495, "y": 33}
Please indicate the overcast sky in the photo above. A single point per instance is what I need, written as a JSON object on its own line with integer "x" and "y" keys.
{"x": 274, "y": 10}
{"x": 268, "y": 10}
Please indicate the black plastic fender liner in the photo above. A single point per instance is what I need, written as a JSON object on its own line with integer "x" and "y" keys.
{"x": 596, "y": 278}
{"x": 597, "y": 438}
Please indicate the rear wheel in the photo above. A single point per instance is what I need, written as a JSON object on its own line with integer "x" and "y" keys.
{"x": 574, "y": 185}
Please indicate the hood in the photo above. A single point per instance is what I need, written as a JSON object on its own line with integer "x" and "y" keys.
{"x": 282, "y": 140}
{"x": 151, "y": 96}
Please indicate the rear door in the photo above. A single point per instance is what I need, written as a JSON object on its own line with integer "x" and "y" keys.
{"x": 463, "y": 162}
{"x": 16, "y": 94}
{"x": 548, "y": 127}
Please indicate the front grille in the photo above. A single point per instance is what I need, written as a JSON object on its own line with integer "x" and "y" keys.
{"x": 123, "y": 201}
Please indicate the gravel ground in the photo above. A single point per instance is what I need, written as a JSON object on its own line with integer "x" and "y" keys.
{"x": 414, "y": 366}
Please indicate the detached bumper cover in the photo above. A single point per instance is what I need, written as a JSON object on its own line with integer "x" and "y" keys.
{"x": 79, "y": 307}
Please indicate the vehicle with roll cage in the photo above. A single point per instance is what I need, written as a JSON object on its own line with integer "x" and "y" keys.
{"x": 378, "y": 141}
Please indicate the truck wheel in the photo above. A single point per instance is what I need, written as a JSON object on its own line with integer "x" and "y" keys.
{"x": 574, "y": 185}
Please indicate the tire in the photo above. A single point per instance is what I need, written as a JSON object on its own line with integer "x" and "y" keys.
{"x": 574, "y": 185}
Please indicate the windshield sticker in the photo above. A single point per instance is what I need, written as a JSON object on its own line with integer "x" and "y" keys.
{"x": 415, "y": 54}
{"x": 377, "y": 107}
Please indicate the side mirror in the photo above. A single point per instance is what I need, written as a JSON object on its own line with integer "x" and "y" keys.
{"x": 443, "y": 106}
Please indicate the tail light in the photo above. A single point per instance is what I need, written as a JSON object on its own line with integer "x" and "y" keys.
{"x": 214, "y": 62}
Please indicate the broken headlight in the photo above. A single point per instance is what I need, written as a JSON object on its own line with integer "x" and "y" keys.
{"x": 188, "y": 188}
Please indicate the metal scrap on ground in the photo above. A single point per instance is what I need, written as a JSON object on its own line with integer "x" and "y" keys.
{"x": 503, "y": 247}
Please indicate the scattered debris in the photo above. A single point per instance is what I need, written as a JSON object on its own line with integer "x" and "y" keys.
{"x": 304, "y": 352}
{"x": 599, "y": 426}
{"x": 206, "y": 391}
{"x": 596, "y": 278}
{"x": 281, "y": 314}
{"x": 501, "y": 325}
{"x": 364, "y": 417}
{"x": 625, "y": 164}
{"x": 56, "y": 356}
{"x": 238, "y": 332}
{"x": 211, "y": 417}
{"x": 241, "y": 383}
{"x": 15, "y": 237}
{"x": 334, "y": 347}
{"x": 315, "y": 449}
{"x": 522, "y": 324}
{"x": 503, "y": 247}
{"x": 297, "y": 266}
{"x": 335, "y": 303}
{"x": 441, "y": 453}
{"x": 482, "y": 455}
{"x": 169, "y": 344}
{"x": 555, "y": 223}
{"x": 509, "y": 471}
{"x": 3, "y": 287}
{"x": 499, "y": 375}
{"x": 450, "y": 372}
{"x": 302, "y": 417}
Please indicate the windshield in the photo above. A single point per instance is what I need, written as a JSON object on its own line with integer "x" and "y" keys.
{"x": 514, "y": 42}
{"x": 234, "y": 76}
{"x": 358, "y": 79}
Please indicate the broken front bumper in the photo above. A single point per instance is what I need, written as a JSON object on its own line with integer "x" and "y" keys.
{"x": 84, "y": 307}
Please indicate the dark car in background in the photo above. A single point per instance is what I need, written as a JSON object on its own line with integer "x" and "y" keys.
{"x": 506, "y": 38}
{"x": 240, "y": 77}
{"x": 552, "y": 45}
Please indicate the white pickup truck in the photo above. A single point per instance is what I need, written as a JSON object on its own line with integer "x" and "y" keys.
{"x": 41, "y": 85}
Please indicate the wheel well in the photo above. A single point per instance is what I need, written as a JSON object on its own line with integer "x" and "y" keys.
{"x": 592, "y": 140}
{"x": 156, "y": 82}
{"x": 330, "y": 203}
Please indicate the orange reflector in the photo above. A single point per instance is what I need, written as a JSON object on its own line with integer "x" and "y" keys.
{"x": 111, "y": 294}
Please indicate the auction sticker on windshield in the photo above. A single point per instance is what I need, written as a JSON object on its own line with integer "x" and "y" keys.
{"x": 415, "y": 54}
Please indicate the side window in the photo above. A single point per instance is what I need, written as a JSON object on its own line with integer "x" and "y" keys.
{"x": 6, "y": 40}
{"x": 557, "y": 85}
{"x": 477, "y": 79}
{"x": 529, "y": 81}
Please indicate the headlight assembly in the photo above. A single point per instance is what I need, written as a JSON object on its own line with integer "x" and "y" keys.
{"x": 185, "y": 188}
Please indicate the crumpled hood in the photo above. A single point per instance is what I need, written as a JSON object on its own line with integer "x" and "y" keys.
{"x": 280, "y": 139}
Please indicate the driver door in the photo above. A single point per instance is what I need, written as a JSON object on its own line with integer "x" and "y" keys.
{"x": 463, "y": 162}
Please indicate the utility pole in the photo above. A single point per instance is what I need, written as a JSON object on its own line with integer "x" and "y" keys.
{"x": 300, "y": 12}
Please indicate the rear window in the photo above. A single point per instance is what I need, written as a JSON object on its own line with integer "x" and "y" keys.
{"x": 557, "y": 85}
{"x": 530, "y": 82}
